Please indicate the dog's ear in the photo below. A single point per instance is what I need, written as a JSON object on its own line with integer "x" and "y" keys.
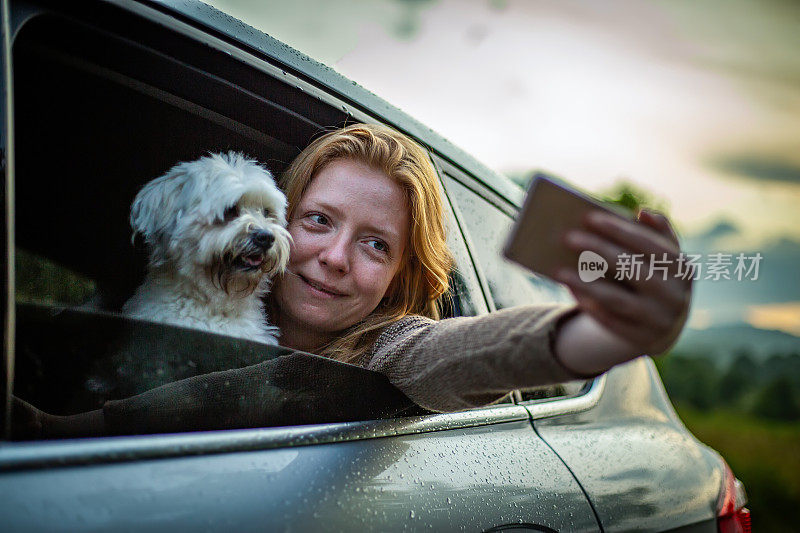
{"x": 156, "y": 211}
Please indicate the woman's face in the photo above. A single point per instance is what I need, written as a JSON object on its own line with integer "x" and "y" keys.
{"x": 350, "y": 230}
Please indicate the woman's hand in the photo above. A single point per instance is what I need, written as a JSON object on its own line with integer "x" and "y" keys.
{"x": 646, "y": 314}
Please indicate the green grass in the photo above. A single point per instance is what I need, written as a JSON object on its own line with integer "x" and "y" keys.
{"x": 764, "y": 454}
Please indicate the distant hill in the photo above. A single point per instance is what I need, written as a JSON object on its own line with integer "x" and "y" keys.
{"x": 723, "y": 343}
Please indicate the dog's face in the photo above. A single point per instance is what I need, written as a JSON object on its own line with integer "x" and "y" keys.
{"x": 220, "y": 218}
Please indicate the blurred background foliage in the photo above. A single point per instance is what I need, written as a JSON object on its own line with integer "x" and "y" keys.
{"x": 749, "y": 411}
{"x": 633, "y": 197}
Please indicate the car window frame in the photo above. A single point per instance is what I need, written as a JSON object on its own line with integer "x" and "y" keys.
{"x": 7, "y": 162}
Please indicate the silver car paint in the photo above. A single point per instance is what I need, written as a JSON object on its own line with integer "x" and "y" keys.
{"x": 467, "y": 479}
{"x": 641, "y": 468}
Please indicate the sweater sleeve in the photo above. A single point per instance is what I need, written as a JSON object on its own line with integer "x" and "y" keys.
{"x": 466, "y": 362}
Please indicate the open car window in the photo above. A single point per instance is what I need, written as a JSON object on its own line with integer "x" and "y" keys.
{"x": 132, "y": 100}
{"x": 124, "y": 112}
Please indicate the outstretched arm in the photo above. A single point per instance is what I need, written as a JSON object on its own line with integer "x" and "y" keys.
{"x": 620, "y": 322}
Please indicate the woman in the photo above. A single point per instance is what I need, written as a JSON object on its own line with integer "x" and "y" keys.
{"x": 370, "y": 261}
{"x": 368, "y": 264}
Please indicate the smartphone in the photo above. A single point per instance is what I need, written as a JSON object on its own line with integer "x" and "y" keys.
{"x": 550, "y": 210}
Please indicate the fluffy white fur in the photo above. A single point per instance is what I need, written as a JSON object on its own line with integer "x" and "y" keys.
{"x": 207, "y": 224}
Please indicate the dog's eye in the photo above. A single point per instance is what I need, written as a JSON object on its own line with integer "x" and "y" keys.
{"x": 230, "y": 213}
{"x": 267, "y": 213}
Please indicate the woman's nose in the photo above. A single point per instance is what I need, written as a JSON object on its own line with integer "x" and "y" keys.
{"x": 336, "y": 254}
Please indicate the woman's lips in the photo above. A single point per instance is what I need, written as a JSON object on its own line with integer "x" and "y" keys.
{"x": 320, "y": 287}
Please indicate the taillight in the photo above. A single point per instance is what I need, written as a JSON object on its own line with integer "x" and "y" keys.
{"x": 732, "y": 515}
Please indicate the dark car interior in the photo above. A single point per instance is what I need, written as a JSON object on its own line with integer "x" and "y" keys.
{"x": 99, "y": 115}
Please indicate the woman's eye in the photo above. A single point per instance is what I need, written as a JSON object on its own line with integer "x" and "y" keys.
{"x": 230, "y": 213}
{"x": 319, "y": 219}
{"x": 378, "y": 245}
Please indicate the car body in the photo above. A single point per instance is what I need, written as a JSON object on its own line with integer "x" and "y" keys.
{"x": 102, "y": 96}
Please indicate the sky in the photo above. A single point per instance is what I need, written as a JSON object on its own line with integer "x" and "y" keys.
{"x": 695, "y": 101}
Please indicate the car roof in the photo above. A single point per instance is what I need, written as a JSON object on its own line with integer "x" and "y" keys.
{"x": 231, "y": 29}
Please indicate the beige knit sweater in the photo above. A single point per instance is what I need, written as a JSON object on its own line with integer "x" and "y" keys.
{"x": 465, "y": 362}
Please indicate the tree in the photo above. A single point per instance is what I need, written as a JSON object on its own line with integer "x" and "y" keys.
{"x": 777, "y": 400}
{"x": 689, "y": 379}
{"x": 633, "y": 197}
{"x": 740, "y": 378}
{"x": 777, "y": 365}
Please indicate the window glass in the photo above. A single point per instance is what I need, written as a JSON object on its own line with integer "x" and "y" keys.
{"x": 488, "y": 228}
{"x": 156, "y": 378}
{"x": 464, "y": 284}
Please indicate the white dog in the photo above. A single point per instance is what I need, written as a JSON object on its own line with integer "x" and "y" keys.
{"x": 216, "y": 234}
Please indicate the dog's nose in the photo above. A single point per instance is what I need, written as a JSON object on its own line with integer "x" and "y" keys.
{"x": 263, "y": 238}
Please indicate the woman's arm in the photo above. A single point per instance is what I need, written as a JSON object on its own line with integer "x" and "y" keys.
{"x": 620, "y": 322}
{"x": 465, "y": 362}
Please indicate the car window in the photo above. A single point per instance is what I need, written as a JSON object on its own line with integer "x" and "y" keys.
{"x": 132, "y": 101}
{"x": 464, "y": 296}
{"x": 508, "y": 284}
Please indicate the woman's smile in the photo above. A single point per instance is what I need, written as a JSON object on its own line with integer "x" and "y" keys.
{"x": 325, "y": 291}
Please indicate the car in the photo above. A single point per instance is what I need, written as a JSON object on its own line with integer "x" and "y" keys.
{"x": 103, "y": 95}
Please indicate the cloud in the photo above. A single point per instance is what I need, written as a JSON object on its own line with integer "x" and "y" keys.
{"x": 759, "y": 167}
{"x": 720, "y": 229}
{"x": 707, "y": 239}
{"x": 777, "y": 281}
{"x": 783, "y": 316}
